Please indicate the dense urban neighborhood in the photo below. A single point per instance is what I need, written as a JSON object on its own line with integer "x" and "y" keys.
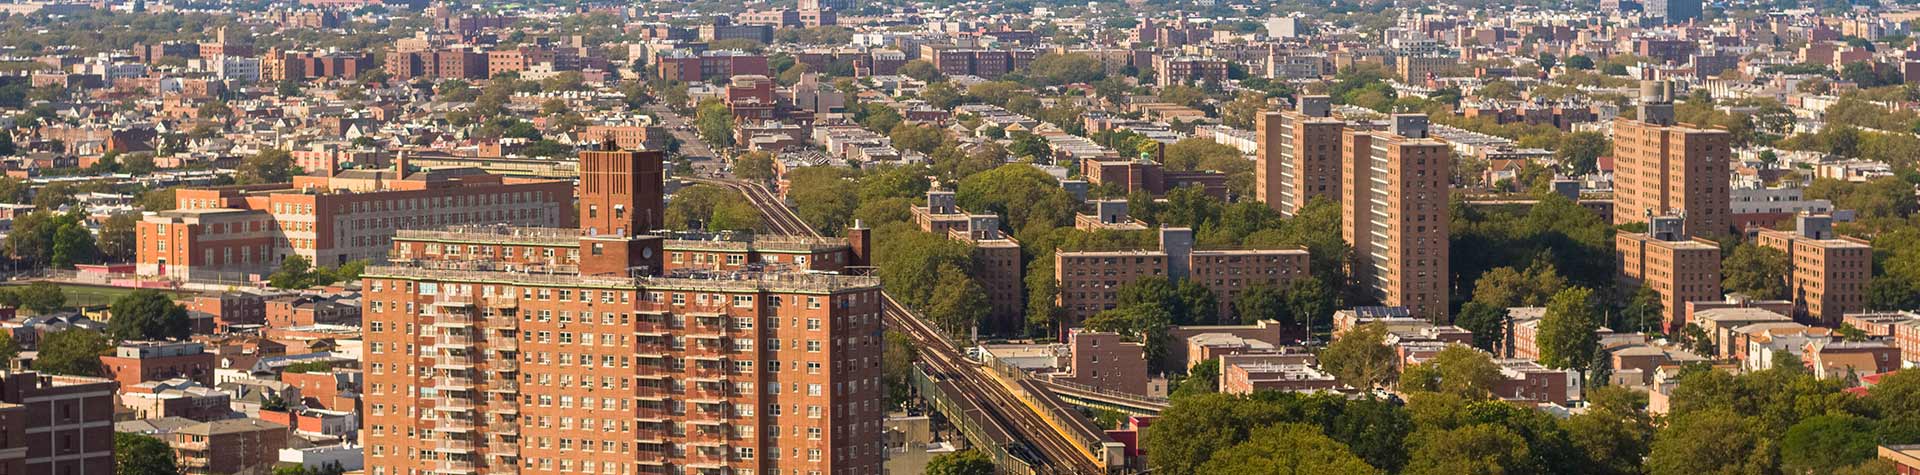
{"x": 1026, "y": 237}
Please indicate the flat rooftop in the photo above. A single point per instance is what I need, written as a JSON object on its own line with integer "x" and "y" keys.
{"x": 569, "y": 276}
{"x": 570, "y": 237}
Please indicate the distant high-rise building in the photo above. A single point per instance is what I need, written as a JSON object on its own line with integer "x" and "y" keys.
{"x": 1299, "y": 155}
{"x": 1285, "y": 27}
{"x": 1678, "y": 268}
{"x": 1394, "y": 191}
{"x": 1665, "y": 168}
{"x": 1674, "y": 11}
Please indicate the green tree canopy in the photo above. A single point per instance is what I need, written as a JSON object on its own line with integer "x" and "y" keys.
{"x": 824, "y": 197}
{"x": 1262, "y": 302}
{"x": 910, "y": 263}
{"x": 1146, "y": 323}
{"x": 1052, "y": 69}
{"x": 1023, "y": 194}
{"x": 1643, "y": 312}
{"x": 40, "y": 297}
{"x": 8, "y": 350}
{"x": 1716, "y": 442}
{"x": 1756, "y": 271}
{"x": 1287, "y": 449}
{"x": 136, "y": 454}
{"x": 1576, "y": 241}
{"x": 755, "y": 165}
{"x": 1504, "y": 287}
{"x": 43, "y": 238}
{"x": 965, "y": 462}
{"x": 119, "y": 239}
{"x": 896, "y": 367}
{"x": 714, "y": 120}
{"x": 1457, "y": 369}
{"x": 74, "y": 352}
{"x": 922, "y": 70}
{"x": 1579, "y": 152}
{"x": 1199, "y": 428}
{"x": 1566, "y": 336}
{"x": 923, "y": 139}
{"x": 147, "y": 314}
{"x": 712, "y": 208}
{"x": 1487, "y": 323}
{"x": 1202, "y": 378}
{"x": 1615, "y": 433}
{"x": 1360, "y": 357}
{"x": 295, "y": 272}
{"x": 958, "y": 303}
{"x": 1825, "y": 443}
{"x": 1481, "y": 449}
{"x": 267, "y": 166}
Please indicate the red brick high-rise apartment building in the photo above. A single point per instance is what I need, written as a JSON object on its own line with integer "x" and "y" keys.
{"x": 1668, "y": 169}
{"x": 1299, "y": 155}
{"x": 1829, "y": 275}
{"x": 57, "y": 425}
{"x": 1678, "y": 268}
{"x": 996, "y": 258}
{"x": 1394, "y": 191}
{"x": 1089, "y": 281}
{"x": 545, "y": 350}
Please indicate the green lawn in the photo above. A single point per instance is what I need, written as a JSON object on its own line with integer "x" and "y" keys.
{"x": 89, "y": 295}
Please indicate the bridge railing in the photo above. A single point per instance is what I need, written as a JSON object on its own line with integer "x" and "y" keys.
{"x": 989, "y": 439}
{"x": 1111, "y": 394}
{"x": 1079, "y": 430}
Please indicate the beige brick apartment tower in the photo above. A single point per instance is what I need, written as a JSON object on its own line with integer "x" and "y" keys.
{"x": 1679, "y": 268}
{"x": 1829, "y": 274}
{"x": 1394, "y": 185}
{"x": 1299, "y": 155}
{"x": 1665, "y": 168}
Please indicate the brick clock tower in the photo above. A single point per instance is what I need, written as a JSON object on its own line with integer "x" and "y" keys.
{"x": 620, "y": 191}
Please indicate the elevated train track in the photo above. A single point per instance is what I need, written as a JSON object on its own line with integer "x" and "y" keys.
{"x": 1038, "y": 430}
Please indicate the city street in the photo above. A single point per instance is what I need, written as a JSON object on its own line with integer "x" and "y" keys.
{"x": 705, "y": 160}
